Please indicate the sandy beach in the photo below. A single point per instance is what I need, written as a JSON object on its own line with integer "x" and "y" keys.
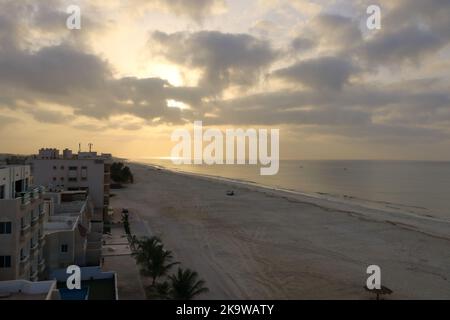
{"x": 268, "y": 244}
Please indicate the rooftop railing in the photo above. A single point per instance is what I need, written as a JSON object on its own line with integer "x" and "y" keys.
{"x": 30, "y": 195}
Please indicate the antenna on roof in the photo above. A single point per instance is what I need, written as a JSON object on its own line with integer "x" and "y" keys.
{"x": 90, "y": 147}
{"x": 79, "y": 147}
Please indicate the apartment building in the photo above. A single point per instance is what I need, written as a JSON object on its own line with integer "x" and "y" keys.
{"x": 68, "y": 171}
{"x": 22, "y": 215}
{"x": 71, "y": 236}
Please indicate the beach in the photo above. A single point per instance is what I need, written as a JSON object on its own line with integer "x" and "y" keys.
{"x": 263, "y": 243}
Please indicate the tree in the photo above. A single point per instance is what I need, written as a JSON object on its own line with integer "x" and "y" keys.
{"x": 185, "y": 285}
{"x": 154, "y": 260}
{"x": 121, "y": 173}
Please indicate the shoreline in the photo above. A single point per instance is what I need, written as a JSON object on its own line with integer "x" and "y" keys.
{"x": 268, "y": 244}
{"x": 431, "y": 225}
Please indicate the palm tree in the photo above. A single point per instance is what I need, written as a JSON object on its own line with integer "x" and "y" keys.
{"x": 160, "y": 264}
{"x": 153, "y": 258}
{"x": 145, "y": 248}
{"x": 185, "y": 286}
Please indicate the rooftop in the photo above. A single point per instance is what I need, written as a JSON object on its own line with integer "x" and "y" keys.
{"x": 60, "y": 223}
{"x": 26, "y": 290}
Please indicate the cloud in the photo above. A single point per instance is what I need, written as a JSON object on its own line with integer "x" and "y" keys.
{"x": 50, "y": 116}
{"x": 65, "y": 76}
{"x": 411, "y": 44}
{"x": 333, "y": 81}
{"x": 301, "y": 44}
{"x": 197, "y": 10}
{"x": 335, "y": 32}
{"x": 6, "y": 120}
{"x": 329, "y": 73}
{"x": 224, "y": 59}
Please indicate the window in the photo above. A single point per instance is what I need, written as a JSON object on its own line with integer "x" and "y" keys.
{"x": 83, "y": 173}
{"x": 54, "y": 167}
{"x": 2, "y": 192}
{"x": 73, "y": 168}
{"x": 62, "y": 167}
{"x": 5, "y": 262}
{"x": 73, "y": 179}
{"x": 54, "y": 178}
{"x": 64, "y": 248}
{"x": 5, "y": 227}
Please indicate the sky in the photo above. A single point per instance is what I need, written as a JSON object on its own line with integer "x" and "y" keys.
{"x": 139, "y": 69}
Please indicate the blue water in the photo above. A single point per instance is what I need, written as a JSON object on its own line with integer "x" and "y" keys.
{"x": 415, "y": 186}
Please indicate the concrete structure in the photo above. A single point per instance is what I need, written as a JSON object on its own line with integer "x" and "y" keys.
{"x": 71, "y": 236}
{"x": 91, "y": 277}
{"x": 26, "y": 290}
{"x": 83, "y": 171}
{"x": 22, "y": 214}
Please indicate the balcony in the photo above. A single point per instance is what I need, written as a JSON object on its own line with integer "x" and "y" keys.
{"x": 36, "y": 193}
{"x": 25, "y": 199}
{"x": 31, "y": 195}
{"x": 24, "y": 229}
{"x": 41, "y": 265}
{"x": 41, "y": 241}
{"x": 34, "y": 220}
{"x": 34, "y": 275}
{"x": 34, "y": 246}
{"x": 24, "y": 259}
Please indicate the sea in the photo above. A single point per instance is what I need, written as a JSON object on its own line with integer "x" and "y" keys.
{"x": 418, "y": 187}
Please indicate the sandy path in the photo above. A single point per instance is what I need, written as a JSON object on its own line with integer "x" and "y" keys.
{"x": 260, "y": 245}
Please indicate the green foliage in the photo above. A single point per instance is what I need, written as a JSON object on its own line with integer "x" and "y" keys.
{"x": 154, "y": 260}
{"x": 185, "y": 285}
{"x": 121, "y": 173}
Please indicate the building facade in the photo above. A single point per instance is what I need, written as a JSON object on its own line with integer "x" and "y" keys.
{"x": 22, "y": 215}
{"x": 83, "y": 171}
{"x": 72, "y": 238}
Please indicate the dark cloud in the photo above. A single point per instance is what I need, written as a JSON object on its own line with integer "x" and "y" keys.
{"x": 224, "y": 59}
{"x": 335, "y": 31}
{"x": 324, "y": 73}
{"x": 50, "y": 116}
{"x": 55, "y": 70}
{"x": 301, "y": 44}
{"x": 410, "y": 44}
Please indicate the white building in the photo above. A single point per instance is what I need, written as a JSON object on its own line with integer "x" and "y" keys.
{"x": 71, "y": 236}
{"x": 83, "y": 171}
{"x": 22, "y": 215}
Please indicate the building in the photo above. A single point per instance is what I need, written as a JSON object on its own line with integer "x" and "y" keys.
{"x": 26, "y": 290}
{"x": 72, "y": 238}
{"x": 22, "y": 215}
{"x": 83, "y": 171}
